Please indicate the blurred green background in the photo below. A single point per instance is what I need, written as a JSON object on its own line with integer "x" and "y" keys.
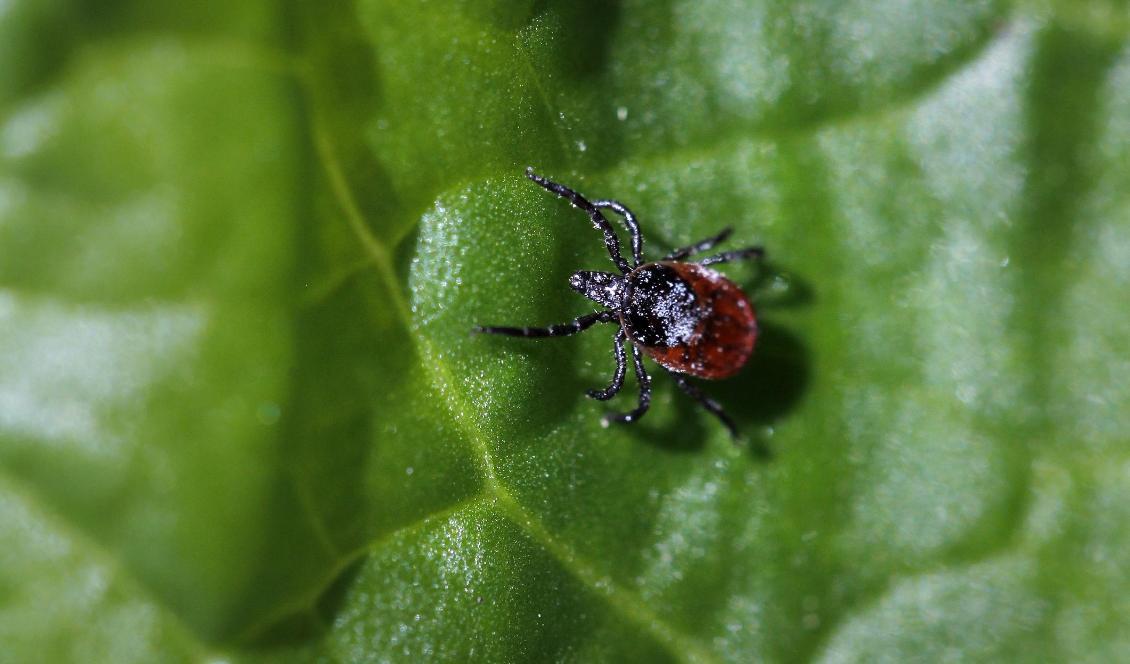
{"x": 242, "y": 417}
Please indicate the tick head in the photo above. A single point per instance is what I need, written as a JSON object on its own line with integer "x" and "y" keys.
{"x": 603, "y": 287}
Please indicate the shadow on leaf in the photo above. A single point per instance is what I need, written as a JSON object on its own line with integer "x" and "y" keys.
{"x": 765, "y": 391}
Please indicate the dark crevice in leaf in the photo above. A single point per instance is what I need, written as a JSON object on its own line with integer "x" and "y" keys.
{"x": 591, "y": 27}
{"x": 559, "y": 44}
{"x": 333, "y": 443}
{"x": 328, "y": 603}
{"x": 1064, "y": 104}
{"x": 317, "y": 607}
{"x": 1063, "y": 122}
{"x": 42, "y": 50}
{"x": 333, "y": 363}
{"x": 332, "y": 419}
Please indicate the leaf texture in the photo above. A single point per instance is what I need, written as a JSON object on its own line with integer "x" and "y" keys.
{"x": 243, "y": 417}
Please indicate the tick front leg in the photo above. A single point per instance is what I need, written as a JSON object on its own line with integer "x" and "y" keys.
{"x": 645, "y": 394}
{"x": 632, "y": 224}
{"x": 618, "y": 377}
{"x": 611, "y": 242}
{"x": 706, "y": 402}
{"x": 737, "y": 254}
{"x": 563, "y": 330}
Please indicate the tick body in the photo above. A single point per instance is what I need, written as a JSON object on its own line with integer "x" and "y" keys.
{"x": 690, "y": 319}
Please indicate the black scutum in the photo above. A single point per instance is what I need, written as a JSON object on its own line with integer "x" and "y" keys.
{"x": 662, "y": 310}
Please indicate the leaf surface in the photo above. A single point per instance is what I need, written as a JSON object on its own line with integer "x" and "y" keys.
{"x": 242, "y": 414}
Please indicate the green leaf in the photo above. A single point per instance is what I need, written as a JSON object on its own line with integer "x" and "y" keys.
{"x": 243, "y": 416}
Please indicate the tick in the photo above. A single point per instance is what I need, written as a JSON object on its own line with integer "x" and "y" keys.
{"x": 688, "y": 318}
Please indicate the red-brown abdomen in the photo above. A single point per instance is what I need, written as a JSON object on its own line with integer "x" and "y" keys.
{"x": 724, "y": 331}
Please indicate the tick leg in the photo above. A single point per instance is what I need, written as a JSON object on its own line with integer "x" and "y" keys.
{"x": 563, "y": 330}
{"x": 706, "y": 402}
{"x": 618, "y": 377}
{"x": 737, "y": 254}
{"x": 631, "y": 223}
{"x": 645, "y": 394}
{"x": 610, "y": 240}
{"x": 699, "y": 247}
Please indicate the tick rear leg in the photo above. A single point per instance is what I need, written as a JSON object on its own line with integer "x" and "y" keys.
{"x": 699, "y": 247}
{"x": 736, "y": 255}
{"x": 645, "y": 394}
{"x": 611, "y": 242}
{"x": 618, "y": 377}
{"x": 563, "y": 330}
{"x": 706, "y": 402}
